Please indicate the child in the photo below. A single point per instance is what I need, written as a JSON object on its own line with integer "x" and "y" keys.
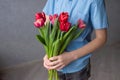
{"x": 74, "y": 63}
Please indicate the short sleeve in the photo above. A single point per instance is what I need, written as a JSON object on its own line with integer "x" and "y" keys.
{"x": 49, "y": 7}
{"x": 98, "y": 14}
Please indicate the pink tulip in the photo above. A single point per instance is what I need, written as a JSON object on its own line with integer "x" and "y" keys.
{"x": 53, "y": 17}
{"x": 81, "y": 24}
{"x": 39, "y": 23}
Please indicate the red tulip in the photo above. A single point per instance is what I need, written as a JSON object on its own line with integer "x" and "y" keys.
{"x": 40, "y": 15}
{"x": 53, "y": 17}
{"x": 81, "y": 24}
{"x": 39, "y": 23}
{"x": 65, "y": 26}
{"x": 63, "y": 17}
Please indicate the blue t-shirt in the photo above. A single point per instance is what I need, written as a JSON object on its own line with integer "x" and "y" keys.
{"x": 93, "y": 12}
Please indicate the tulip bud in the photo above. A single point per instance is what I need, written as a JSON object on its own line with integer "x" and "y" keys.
{"x": 63, "y": 17}
{"x": 65, "y": 26}
{"x": 52, "y": 18}
{"x": 40, "y": 15}
{"x": 39, "y": 23}
{"x": 81, "y": 24}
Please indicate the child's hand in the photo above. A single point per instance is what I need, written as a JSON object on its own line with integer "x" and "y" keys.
{"x": 58, "y": 62}
{"x": 46, "y": 62}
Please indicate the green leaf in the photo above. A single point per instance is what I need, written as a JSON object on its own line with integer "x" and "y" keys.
{"x": 40, "y": 39}
{"x": 41, "y": 31}
{"x": 67, "y": 38}
{"x": 66, "y": 42}
{"x": 53, "y": 34}
{"x": 46, "y": 31}
{"x": 73, "y": 35}
{"x": 78, "y": 33}
{"x": 54, "y": 31}
{"x": 46, "y": 49}
{"x": 72, "y": 29}
{"x": 56, "y": 47}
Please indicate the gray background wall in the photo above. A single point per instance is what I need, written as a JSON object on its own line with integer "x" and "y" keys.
{"x": 17, "y": 33}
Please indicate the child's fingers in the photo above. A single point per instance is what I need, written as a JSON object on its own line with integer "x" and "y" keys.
{"x": 54, "y": 63}
{"x": 47, "y": 62}
{"x": 46, "y": 66}
{"x": 56, "y": 66}
{"x": 45, "y": 57}
{"x": 51, "y": 63}
{"x": 60, "y": 67}
{"x": 53, "y": 58}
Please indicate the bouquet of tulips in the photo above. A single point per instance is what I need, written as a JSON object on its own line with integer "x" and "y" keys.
{"x": 56, "y": 34}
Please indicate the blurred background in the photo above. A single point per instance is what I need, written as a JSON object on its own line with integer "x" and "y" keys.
{"x": 21, "y": 54}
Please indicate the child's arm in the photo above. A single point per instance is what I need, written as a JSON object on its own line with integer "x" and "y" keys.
{"x": 62, "y": 60}
{"x": 100, "y": 40}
